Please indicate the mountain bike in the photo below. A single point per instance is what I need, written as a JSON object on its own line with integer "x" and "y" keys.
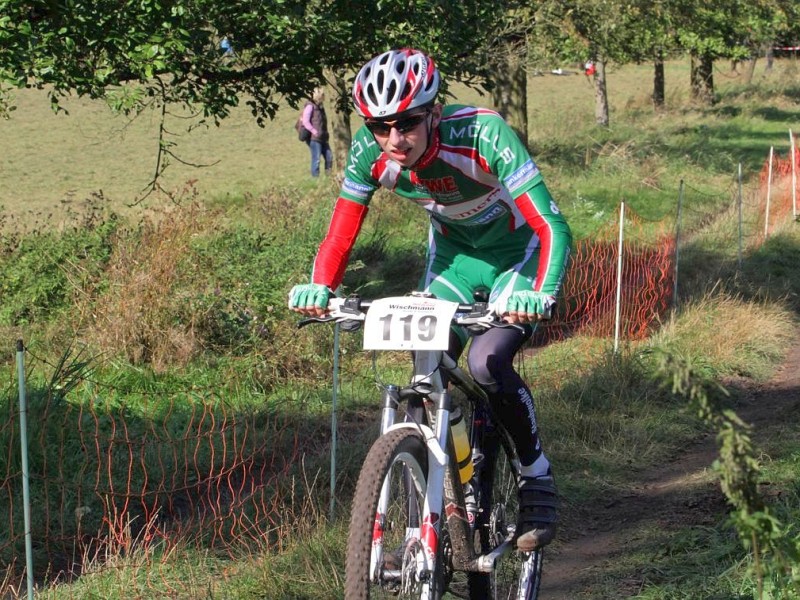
{"x": 417, "y": 530}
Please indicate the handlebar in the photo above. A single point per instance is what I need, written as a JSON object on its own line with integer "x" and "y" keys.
{"x": 351, "y": 311}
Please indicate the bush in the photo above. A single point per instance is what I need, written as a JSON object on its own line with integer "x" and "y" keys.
{"x": 43, "y": 273}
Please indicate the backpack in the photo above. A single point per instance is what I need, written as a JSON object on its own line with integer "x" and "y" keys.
{"x": 303, "y": 134}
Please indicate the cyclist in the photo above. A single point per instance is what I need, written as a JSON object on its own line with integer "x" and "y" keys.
{"x": 493, "y": 226}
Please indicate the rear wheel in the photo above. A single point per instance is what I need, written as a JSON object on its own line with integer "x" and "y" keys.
{"x": 384, "y": 552}
{"x": 516, "y": 574}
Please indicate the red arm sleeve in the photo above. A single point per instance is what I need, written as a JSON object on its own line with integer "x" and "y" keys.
{"x": 331, "y": 260}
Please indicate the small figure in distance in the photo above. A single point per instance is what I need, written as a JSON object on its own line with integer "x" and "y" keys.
{"x": 316, "y": 121}
{"x": 227, "y": 47}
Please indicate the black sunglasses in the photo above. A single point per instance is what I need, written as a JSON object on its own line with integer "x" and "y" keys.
{"x": 383, "y": 128}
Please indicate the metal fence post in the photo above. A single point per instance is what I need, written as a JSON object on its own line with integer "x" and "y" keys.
{"x": 619, "y": 275}
{"x": 334, "y": 397}
{"x": 741, "y": 233}
{"x": 26, "y": 492}
{"x": 677, "y": 246}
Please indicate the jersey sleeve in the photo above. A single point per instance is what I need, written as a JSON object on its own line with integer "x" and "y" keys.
{"x": 349, "y": 212}
{"x": 334, "y": 252}
{"x": 507, "y": 157}
{"x": 555, "y": 238}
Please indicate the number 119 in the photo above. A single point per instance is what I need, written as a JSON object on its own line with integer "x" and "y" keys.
{"x": 426, "y": 327}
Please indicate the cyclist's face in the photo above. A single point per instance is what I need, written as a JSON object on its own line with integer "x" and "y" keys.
{"x": 405, "y": 140}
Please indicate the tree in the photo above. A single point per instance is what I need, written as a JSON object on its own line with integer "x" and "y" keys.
{"x": 773, "y": 21}
{"x": 170, "y": 49}
{"x": 579, "y": 30}
{"x": 653, "y": 39}
{"x": 137, "y": 54}
{"x": 731, "y": 29}
{"x": 505, "y": 52}
{"x": 454, "y": 33}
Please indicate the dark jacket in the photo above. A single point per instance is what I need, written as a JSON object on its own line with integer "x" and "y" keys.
{"x": 320, "y": 122}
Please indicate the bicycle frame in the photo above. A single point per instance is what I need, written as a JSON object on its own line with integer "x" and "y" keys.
{"x": 444, "y": 492}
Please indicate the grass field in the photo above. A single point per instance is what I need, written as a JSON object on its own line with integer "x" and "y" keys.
{"x": 52, "y": 159}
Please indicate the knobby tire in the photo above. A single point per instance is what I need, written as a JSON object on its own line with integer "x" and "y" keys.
{"x": 517, "y": 575}
{"x": 402, "y": 456}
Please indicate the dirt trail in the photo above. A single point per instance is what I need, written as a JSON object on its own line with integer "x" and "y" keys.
{"x": 681, "y": 492}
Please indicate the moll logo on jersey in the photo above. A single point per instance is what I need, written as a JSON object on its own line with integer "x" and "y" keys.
{"x": 478, "y": 130}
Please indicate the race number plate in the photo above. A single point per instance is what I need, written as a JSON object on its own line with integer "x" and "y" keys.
{"x": 408, "y": 323}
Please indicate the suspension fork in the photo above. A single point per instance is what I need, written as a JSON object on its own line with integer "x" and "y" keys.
{"x": 391, "y": 402}
{"x": 438, "y": 405}
{"x": 446, "y": 492}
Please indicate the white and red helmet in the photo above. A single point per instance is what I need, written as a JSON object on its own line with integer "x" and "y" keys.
{"x": 394, "y": 82}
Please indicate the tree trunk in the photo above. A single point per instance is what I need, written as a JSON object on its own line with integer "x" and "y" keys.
{"x": 702, "y": 79}
{"x": 770, "y": 56}
{"x": 750, "y": 69}
{"x": 510, "y": 91}
{"x": 600, "y": 94}
{"x": 658, "y": 81}
{"x": 341, "y": 136}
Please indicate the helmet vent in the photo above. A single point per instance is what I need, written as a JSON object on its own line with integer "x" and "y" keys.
{"x": 406, "y": 91}
{"x": 392, "y": 90}
{"x": 372, "y": 96}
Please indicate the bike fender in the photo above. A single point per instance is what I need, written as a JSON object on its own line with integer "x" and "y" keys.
{"x": 435, "y": 453}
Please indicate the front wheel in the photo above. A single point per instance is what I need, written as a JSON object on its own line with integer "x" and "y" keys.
{"x": 516, "y": 575}
{"x": 385, "y": 557}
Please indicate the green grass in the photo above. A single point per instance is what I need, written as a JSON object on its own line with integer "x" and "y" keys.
{"x": 186, "y": 307}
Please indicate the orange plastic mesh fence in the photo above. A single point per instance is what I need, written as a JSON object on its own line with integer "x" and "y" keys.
{"x": 191, "y": 474}
{"x": 589, "y": 302}
{"x": 776, "y": 195}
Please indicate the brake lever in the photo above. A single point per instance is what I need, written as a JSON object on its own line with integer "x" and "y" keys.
{"x": 307, "y": 321}
{"x": 345, "y": 311}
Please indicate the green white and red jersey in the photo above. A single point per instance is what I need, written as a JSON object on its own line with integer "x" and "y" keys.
{"x": 494, "y": 224}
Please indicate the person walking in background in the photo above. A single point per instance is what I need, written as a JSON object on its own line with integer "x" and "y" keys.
{"x": 315, "y": 120}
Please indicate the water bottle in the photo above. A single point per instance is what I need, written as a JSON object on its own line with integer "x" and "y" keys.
{"x": 462, "y": 446}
